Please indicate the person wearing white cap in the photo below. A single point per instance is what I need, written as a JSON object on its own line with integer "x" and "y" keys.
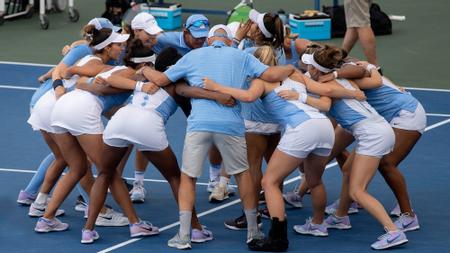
{"x": 145, "y": 28}
{"x": 195, "y": 31}
{"x": 212, "y": 124}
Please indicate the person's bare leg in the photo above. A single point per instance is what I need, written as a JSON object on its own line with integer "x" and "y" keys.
{"x": 367, "y": 40}
{"x": 363, "y": 170}
{"x": 76, "y": 159}
{"x": 350, "y": 38}
{"x": 279, "y": 167}
{"x": 344, "y": 197}
{"x": 404, "y": 142}
{"x": 256, "y": 147}
{"x": 56, "y": 167}
{"x": 314, "y": 166}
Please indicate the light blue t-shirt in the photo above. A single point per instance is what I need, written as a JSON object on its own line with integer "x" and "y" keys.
{"x": 171, "y": 39}
{"x": 225, "y": 65}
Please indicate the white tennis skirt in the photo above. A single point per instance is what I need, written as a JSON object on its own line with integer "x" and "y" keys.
{"x": 132, "y": 125}
{"x": 40, "y": 118}
{"x": 312, "y": 136}
{"x": 78, "y": 112}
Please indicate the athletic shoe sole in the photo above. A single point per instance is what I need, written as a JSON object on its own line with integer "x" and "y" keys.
{"x": 240, "y": 229}
{"x": 179, "y": 246}
{"x": 145, "y": 234}
{"x": 411, "y": 228}
{"x": 318, "y": 234}
{"x": 340, "y": 227}
{"x": 393, "y": 244}
{"x": 202, "y": 240}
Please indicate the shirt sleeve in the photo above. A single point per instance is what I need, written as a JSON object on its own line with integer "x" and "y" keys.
{"x": 76, "y": 53}
{"x": 179, "y": 70}
{"x": 254, "y": 67}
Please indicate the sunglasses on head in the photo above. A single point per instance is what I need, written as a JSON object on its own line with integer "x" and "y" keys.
{"x": 199, "y": 23}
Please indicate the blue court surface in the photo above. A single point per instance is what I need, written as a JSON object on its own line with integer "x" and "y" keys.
{"x": 427, "y": 171}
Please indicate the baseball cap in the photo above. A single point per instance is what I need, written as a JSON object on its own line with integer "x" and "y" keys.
{"x": 146, "y": 22}
{"x": 213, "y": 32}
{"x": 101, "y": 23}
{"x": 198, "y": 25}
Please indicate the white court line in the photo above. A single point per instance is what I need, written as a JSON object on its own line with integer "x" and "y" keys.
{"x": 13, "y": 87}
{"x": 26, "y": 64}
{"x": 122, "y": 244}
{"x": 428, "y": 89}
{"x": 127, "y": 178}
{"x": 438, "y": 115}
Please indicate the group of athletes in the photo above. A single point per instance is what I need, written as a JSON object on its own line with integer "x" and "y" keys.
{"x": 250, "y": 92}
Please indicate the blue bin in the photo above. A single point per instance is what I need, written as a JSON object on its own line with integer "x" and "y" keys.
{"x": 168, "y": 15}
{"x": 311, "y": 28}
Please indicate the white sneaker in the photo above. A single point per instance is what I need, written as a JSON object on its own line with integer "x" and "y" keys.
{"x": 137, "y": 194}
{"x": 219, "y": 194}
{"x": 38, "y": 210}
{"x": 211, "y": 185}
{"x": 293, "y": 199}
{"x": 111, "y": 219}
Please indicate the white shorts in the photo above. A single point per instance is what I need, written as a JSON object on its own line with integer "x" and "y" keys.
{"x": 374, "y": 137}
{"x": 40, "y": 118}
{"x": 132, "y": 125}
{"x": 312, "y": 136}
{"x": 78, "y": 112}
{"x": 413, "y": 121}
{"x": 261, "y": 128}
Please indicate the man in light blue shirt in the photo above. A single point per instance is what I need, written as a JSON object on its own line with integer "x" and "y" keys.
{"x": 193, "y": 36}
{"x": 212, "y": 124}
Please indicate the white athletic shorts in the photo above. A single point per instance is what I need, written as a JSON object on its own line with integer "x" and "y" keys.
{"x": 413, "y": 121}
{"x": 374, "y": 137}
{"x": 78, "y": 112}
{"x": 132, "y": 125}
{"x": 261, "y": 128}
{"x": 40, "y": 117}
{"x": 312, "y": 136}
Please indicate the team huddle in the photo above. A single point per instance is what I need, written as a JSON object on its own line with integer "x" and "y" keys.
{"x": 250, "y": 91}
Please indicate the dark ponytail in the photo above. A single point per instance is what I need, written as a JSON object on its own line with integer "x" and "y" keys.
{"x": 98, "y": 36}
{"x": 136, "y": 49}
{"x": 274, "y": 25}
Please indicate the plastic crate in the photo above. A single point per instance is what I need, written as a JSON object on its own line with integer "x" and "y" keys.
{"x": 311, "y": 28}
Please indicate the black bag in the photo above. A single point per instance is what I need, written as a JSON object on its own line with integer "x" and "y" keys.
{"x": 380, "y": 22}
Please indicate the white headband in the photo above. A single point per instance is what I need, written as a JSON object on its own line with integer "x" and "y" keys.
{"x": 143, "y": 59}
{"x": 258, "y": 18}
{"x": 309, "y": 59}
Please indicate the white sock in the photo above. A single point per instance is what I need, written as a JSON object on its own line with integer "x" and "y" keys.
{"x": 41, "y": 198}
{"x": 223, "y": 181}
{"x": 139, "y": 176}
{"x": 214, "y": 172}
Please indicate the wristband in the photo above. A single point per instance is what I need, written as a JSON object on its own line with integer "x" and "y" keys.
{"x": 236, "y": 41}
{"x": 57, "y": 83}
{"x": 138, "y": 86}
{"x": 335, "y": 74}
{"x": 370, "y": 67}
{"x": 302, "y": 97}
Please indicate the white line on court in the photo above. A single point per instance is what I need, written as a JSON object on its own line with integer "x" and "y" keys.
{"x": 27, "y": 64}
{"x": 122, "y": 244}
{"x": 127, "y": 178}
{"x": 13, "y": 87}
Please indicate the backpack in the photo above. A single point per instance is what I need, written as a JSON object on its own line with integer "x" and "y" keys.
{"x": 380, "y": 22}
